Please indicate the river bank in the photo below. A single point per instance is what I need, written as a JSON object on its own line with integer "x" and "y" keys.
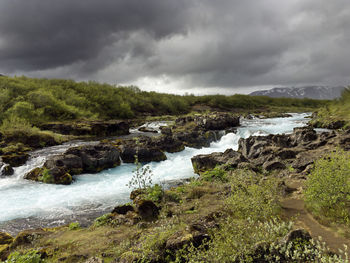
{"x": 192, "y": 210}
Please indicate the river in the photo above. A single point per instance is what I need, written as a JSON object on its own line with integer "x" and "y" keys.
{"x": 25, "y": 204}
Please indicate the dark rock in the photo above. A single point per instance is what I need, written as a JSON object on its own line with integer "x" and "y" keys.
{"x": 73, "y": 258}
{"x": 297, "y": 235}
{"x": 96, "y": 158}
{"x": 166, "y": 130}
{"x": 94, "y": 260}
{"x": 195, "y": 139}
{"x": 70, "y": 163}
{"x": 169, "y": 144}
{"x": 56, "y": 175}
{"x": 181, "y": 238}
{"x": 345, "y": 142}
{"x": 85, "y": 159}
{"x": 204, "y": 162}
{"x": 143, "y": 147}
{"x": 287, "y": 154}
{"x": 303, "y": 135}
{"x": 95, "y": 128}
{"x": 15, "y": 159}
{"x": 27, "y": 237}
{"x": 136, "y": 193}
{"x": 5, "y": 238}
{"x": 5, "y": 169}
{"x": 302, "y": 161}
{"x": 220, "y": 121}
{"x": 123, "y": 209}
{"x": 4, "y": 252}
{"x": 146, "y": 129}
{"x": 273, "y": 165}
{"x": 147, "y": 210}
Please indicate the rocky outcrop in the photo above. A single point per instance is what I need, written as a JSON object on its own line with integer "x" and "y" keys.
{"x": 147, "y": 210}
{"x": 144, "y": 147}
{"x": 15, "y": 159}
{"x": 205, "y": 162}
{"x": 215, "y": 121}
{"x": 84, "y": 159}
{"x": 199, "y": 131}
{"x": 94, "y": 128}
{"x": 5, "y": 238}
{"x": 273, "y": 152}
{"x": 5, "y": 169}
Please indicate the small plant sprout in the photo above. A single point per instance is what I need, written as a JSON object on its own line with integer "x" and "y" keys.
{"x": 142, "y": 175}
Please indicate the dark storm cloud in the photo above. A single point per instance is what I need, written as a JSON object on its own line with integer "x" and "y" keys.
{"x": 179, "y": 44}
{"x": 38, "y": 34}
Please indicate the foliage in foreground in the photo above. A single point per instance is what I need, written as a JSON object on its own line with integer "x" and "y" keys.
{"x": 328, "y": 187}
{"x": 30, "y": 257}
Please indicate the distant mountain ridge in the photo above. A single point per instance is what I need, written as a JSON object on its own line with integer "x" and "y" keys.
{"x": 311, "y": 92}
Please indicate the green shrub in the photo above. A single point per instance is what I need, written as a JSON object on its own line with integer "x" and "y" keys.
{"x": 253, "y": 196}
{"x": 217, "y": 174}
{"x": 103, "y": 220}
{"x": 328, "y": 187}
{"x": 74, "y": 226}
{"x": 29, "y": 257}
{"x": 155, "y": 193}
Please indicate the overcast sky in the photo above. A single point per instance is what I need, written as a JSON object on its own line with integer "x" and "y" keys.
{"x": 177, "y": 46}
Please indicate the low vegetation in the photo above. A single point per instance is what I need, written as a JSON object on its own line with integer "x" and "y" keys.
{"x": 335, "y": 114}
{"x": 242, "y": 213}
{"x": 38, "y": 101}
{"x": 328, "y": 188}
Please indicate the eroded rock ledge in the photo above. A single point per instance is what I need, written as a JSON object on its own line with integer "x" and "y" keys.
{"x": 296, "y": 151}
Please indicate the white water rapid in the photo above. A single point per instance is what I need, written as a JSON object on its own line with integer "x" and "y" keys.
{"x": 26, "y": 201}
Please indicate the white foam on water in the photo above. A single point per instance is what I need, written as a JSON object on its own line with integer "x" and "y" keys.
{"x": 20, "y": 198}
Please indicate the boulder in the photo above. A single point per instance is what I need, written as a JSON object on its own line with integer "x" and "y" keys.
{"x": 303, "y": 135}
{"x": 27, "y": 237}
{"x": 302, "y": 161}
{"x": 145, "y": 149}
{"x": 205, "y": 162}
{"x": 147, "y": 129}
{"x": 5, "y": 238}
{"x": 123, "y": 209}
{"x": 5, "y": 169}
{"x": 169, "y": 144}
{"x": 219, "y": 121}
{"x": 297, "y": 235}
{"x": 94, "y": 128}
{"x": 147, "y": 210}
{"x": 273, "y": 165}
{"x": 95, "y": 158}
{"x": 84, "y": 159}
{"x": 56, "y": 175}
{"x": 15, "y": 159}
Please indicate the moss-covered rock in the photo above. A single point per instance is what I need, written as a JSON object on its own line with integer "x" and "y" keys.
{"x": 27, "y": 237}
{"x": 5, "y": 238}
{"x": 15, "y": 159}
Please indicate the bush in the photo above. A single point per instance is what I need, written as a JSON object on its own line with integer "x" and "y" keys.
{"x": 253, "y": 196}
{"x": 29, "y": 257}
{"x": 327, "y": 192}
{"x": 155, "y": 193}
{"x": 74, "y": 226}
{"x": 217, "y": 174}
{"x": 103, "y": 220}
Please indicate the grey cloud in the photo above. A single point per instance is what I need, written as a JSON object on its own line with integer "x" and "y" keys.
{"x": 198, "y": 43}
